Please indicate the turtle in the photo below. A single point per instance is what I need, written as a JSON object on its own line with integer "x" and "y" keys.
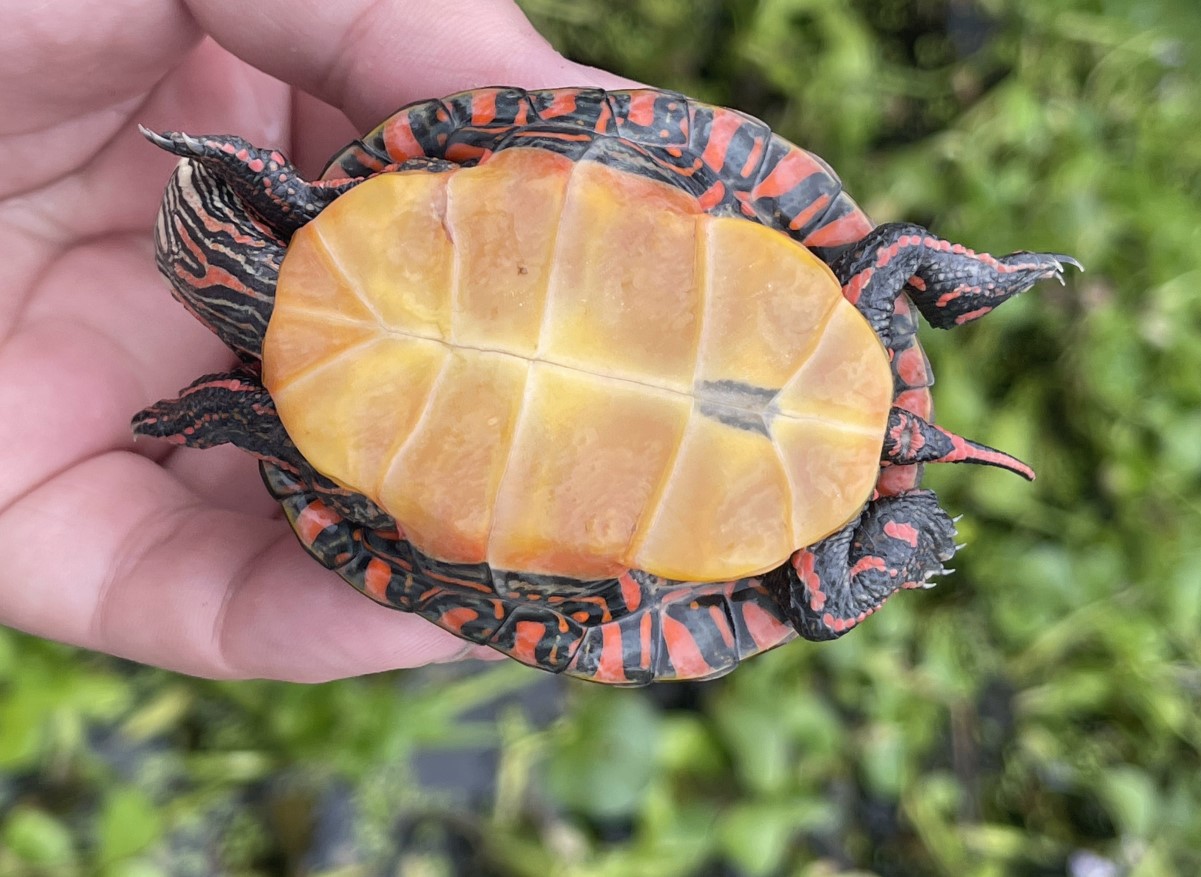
{"x": 618, "y": 383}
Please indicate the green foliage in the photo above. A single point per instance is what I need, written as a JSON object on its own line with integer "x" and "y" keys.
{"x": 1036, "y": 709}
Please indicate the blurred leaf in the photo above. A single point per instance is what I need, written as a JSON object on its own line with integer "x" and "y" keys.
{"x": 129, "y": 822}
{"x": 37, "y": 838}
{"x": 604, "y": 760}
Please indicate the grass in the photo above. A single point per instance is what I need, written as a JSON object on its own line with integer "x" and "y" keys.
{"x": 1037, "y": 713}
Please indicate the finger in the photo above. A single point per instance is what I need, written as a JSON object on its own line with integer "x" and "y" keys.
{"x": 69, "y": 82}
{"x": 114, "y": 555}
{"x": 56, "y": 66}
{"x": 319, "y": 130}
{"x": 121, "y": 178}
{"x": 369, "y": 58}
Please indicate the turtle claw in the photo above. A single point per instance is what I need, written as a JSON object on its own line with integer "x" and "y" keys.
{"x": 1059, "y": 260}
{"x": 176, "y": 142}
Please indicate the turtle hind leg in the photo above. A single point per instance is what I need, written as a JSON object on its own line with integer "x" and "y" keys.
{"x": 235, "y": 408}
{"x": 224, "y": 408}
{"x": 950, "y": 284}
{"x": 898, "y": 542}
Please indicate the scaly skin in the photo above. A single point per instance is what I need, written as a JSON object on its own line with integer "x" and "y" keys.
{"x": 635, "y": 628}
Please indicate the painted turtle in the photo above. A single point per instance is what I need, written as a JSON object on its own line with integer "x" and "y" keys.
{"x": 618, "y": 383}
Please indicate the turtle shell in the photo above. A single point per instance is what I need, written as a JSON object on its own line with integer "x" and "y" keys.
{"x": 568, "y": 369}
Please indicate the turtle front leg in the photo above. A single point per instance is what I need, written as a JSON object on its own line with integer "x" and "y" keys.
{"x": 898, "y": 542}
{"x": 950, "y": 284}
{"x": 263, "y": 180}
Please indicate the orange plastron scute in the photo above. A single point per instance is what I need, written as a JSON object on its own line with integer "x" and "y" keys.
{"x": 557, "y": 367}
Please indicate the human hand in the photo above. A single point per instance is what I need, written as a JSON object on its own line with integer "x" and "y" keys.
{"x": 166, "y": 555}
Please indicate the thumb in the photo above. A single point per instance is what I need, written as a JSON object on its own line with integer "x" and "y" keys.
{"x": 368, "y": 57}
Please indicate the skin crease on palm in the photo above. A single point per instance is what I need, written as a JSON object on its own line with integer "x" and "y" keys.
{"x": 167, "y": 556}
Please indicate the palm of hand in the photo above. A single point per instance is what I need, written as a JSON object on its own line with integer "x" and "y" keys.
{"x": 175, "y": 557}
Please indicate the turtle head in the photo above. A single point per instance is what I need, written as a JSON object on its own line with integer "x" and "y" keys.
{"x": 222, "y": 263}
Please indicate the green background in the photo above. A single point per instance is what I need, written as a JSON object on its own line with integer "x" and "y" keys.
{"x": 1036, "y": 713}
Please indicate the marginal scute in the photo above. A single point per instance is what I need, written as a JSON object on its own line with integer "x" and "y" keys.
{"x": 557, "y": 367}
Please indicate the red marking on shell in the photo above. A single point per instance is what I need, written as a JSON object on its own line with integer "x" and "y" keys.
{"x": 712, "y": 196}
{"x": 603, "y": 118}
{"x": 641, "y": 109}
{"x": 256, "y": 165}
{"x": 610, "y": 666}
{"x": 646, "y": 630}
{"x": 765, "y": 629}
{"x": 910, "y": 366}
{"x": 399, "y": 140}
{"x": 483, "y": 107}
{"x": 917, "y": 400}
{"x": 722, "y": 623}
{"x": 631, "y": 591}
{"x": 795, "y": 167}
{"x": 722, "y": 129}
{"x": 558, "y": 135}
{"x": 526, "y": 636}
{"x": 686, "y": 656}
{"x": 314, "y": 519}
{"x": 563, "y": 103}
{"x": 906, "y": 533}
{"x": 464, "y": 152}
{"x": 897, "y": 479}
{"x": 847, "y": 229}
{"x": 458, "y": 583}
{"x": 917, "y": 283}
{"x": 753, "y": 157}
{"x": 457, "y": 618}
{"x": 805, "y": 216}
{"x": 375, "y": 579}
